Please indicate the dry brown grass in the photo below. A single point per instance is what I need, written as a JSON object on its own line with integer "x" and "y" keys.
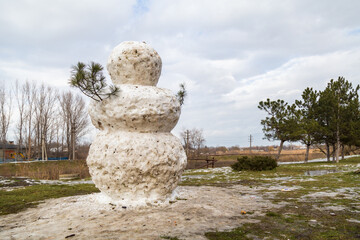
{"x": 229, "y": 159}
{"x": 52, "y": 169}
{"x": 298, "y": 157}
{"x": 49, "y": 170}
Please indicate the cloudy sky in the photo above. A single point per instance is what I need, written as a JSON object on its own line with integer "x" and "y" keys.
{"x": 230, "y": 54}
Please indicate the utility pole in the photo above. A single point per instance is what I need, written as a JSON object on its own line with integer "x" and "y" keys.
{"x": 250, "y": 141}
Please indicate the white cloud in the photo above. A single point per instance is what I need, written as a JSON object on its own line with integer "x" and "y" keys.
{"x": 288, "y": 81}
{"x": 230, "y": 54}
{"x": 50, "y": 20}
{"x": 22, "y": 71}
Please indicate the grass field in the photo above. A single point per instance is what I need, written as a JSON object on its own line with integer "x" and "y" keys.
{"x": 323, "y": 206}
{"x": 30, "y": 196}
{"x": 313, "y": 200}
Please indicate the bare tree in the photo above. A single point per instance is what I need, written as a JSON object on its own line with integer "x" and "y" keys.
{"x": 65, "y": 100}
{"x": 57, "y": 133}
{"x": 75, "y": 118}
{"x": 49, "y": 116}
{"x": 5, "y": 115}
{"x": 21, "y": 105}
{"x": 38, "y": 121}
{"x": 29, "y": 90}
{"x": 193, "y": 139}
{"x": 198, "y": 139}
{"x": 44, "y": 118}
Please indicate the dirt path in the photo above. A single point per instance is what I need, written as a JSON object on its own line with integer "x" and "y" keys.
{"x": 196, "y": 211}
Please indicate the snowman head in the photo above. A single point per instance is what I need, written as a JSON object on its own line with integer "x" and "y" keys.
{"x": 134, "y": 63}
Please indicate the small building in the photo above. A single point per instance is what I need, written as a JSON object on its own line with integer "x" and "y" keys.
{"x": 9, "y": 152}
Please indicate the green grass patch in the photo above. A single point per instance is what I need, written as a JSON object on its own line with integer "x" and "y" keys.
{"x": 236, "y": 234}
{"x": 170, "y": 238}
{"x": 299, "y": 223}
{"x": 296, "y": 171}
{"x": 19, "y": 199}
{"x": 195, "y": 173}
{"x": 323, "y": 216}
{"x": 272, "y": 214}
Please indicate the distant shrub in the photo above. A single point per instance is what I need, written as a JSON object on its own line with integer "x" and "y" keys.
{"x": 255, "y": 163}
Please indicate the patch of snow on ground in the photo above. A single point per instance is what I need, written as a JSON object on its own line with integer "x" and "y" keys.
{"x": 60, "y": 182}
{"x": 196, "y": 211}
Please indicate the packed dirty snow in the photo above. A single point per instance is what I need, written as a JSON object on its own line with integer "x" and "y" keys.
{"x": 134, "y": 157}
{"x": 196, "y": 210}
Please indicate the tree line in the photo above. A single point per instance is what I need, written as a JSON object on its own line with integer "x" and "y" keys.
{"x": 329, "y": 118}
{"x": 45, "y": 121}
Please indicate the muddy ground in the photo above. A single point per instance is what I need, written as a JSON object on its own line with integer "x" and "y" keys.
{"x": 289, "y": 203}
{"x": 197, "y": 210}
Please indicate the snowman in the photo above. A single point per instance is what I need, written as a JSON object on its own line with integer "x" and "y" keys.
{"x": 134, "y": 159}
